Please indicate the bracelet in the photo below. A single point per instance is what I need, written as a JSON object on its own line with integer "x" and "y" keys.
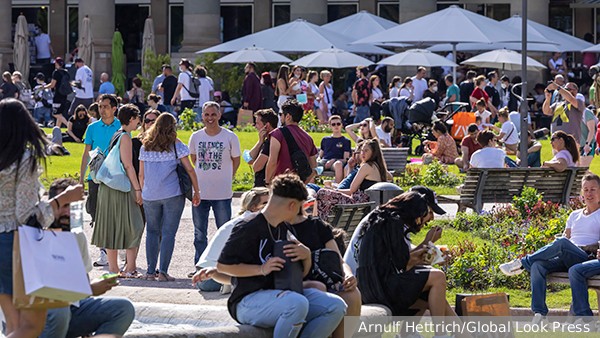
{"x": 261, "y": 270}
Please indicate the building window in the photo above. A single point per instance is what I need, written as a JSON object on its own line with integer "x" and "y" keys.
{"x": 236, "y": 21}
{"x": 335, "y": 12}
{"x": 129, "y": 20}
{"x": 281, "y": 15}
{"x": 175, "y": 28}
{"x": 390, "y": 11}
{"x": 73, "y": 28}
{"x": 561, "y": 17}
{"x": 497, "y": 12}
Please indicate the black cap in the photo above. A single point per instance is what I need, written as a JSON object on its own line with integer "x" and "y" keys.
{"x": 430, "y": 197}
{"x": 78, "y": 59}
{"x": 40, "y": 76}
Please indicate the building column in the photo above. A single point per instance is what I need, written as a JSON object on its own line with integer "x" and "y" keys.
{"x": 6, "y": 50}
{"x": 201, "y": 25}
{"x": 263, "y": 15}
{"x": 102, "y": 16}
{"x": 313, "y": 11}
{"x": 159, "y": 10}
{"x": 410, "y": 9}
{"x": 58, "y": 27}
{"x": 368, "y": 5}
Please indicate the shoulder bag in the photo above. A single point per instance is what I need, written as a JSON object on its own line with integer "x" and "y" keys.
{"x": 185, "y": 182}
{"x": 111, "y": 172}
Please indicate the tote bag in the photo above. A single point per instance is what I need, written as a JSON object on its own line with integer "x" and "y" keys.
{"x": 111, "y": 171}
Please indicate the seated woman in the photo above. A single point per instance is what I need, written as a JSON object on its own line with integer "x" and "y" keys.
{"x": 76, "y": 127}
{"x": 565, "y": 152}
{"x": 444, "y": 149}
{"x": 372, "y": 170}
{"x": 389, "y": 271}
{"x": 488, "y": 156}
{"x": 578, "y": 245}
{"x": 366, "y": 130}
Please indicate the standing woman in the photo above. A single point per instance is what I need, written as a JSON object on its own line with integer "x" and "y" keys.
{"x": 162, "y": 195}
{"x": 148, "y": 120}
{"x": 376, "y": 97}
{"x": 282, "y": 86}
{"x": 326, "y": 95}
{"x": 268, "y": 91}
{"x": 407, "y": 90}
{"x": 136, "y": 94}
{"x": 295, "y": 81}
{"x": 119, "y": 222}
{"x": 22, "y": 150}
{"x": 312, "y": 92}
{"x": 394, "y": 89}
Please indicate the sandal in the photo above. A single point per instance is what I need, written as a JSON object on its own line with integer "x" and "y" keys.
{"x": 132, "y": 274}
{"x": 149, "y": 277}
{"x": 165, "y": 277}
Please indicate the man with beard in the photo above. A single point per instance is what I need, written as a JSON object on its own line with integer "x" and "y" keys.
{"x": 384, "y": 132}
{"x": 99, "y": 315}
{"x": 251, "y": 92}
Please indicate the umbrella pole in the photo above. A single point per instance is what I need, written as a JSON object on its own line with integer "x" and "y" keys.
{"x": 454, "y": 60}
{"x": 524, "y": 106}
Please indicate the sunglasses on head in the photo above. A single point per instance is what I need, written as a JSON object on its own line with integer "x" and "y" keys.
{"x": 335, "y": 124}
{"x": 149, "y": 120}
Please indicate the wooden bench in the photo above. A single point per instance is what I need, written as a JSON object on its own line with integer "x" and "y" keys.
{"x": 347, "y": 216}
{"x": 395, "y": 161}
{"x": 499, "y": 185}
{"x": 563, "y": 278}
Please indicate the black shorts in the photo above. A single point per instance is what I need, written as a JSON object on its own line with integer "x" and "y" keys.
{"x": 407, "y": 289}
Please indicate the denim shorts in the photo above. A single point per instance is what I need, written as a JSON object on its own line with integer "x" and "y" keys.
{"x": 6, "y": 270}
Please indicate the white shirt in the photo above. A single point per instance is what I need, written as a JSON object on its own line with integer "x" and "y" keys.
{"x": 488, "y": 157}
{"x": 511, "y": 135}
{"x": 387, "y": 137}
{"x": 420, "y": 86}
{"x": 211, "y": 254}
{"x": 585, "y": 229}
{"x": 376, "y": 93}
{"x": 214, "y": 164}
{"x": 42, "y": 45}
{"x": 351, "y": 256}
{"x": 405, "y": 92}
{"x": 85, "y": 75}
{"x": 205, "y": 89}
{"x": 485, "y": 115}
{"x": 565, "y": 155}
{"x": 394, "y": 92}
{"x": 185, "y": 79}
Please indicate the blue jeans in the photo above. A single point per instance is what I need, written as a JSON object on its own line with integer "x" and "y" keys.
{"x": 6, "y": 269}
{"x": 42, "y": 114}
{"x": 162, "y": 222}
{"x": 578, "y": 276}
{"x": 222, "y": 211}
{"x": 347, "y": 181}
{"x": 99, "y": 315}
{"x": 171, "y": 110}
{"x": 362, "y": 112}
{"x": 557, "y": 256}
{"x": 286, "y": 311}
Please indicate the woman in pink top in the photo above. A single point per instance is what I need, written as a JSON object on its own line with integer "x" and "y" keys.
{"x": 566, "y": 152}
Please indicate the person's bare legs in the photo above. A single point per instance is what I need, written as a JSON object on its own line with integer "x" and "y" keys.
{"x": 354, "y": 302}
{"x": 60, "y": 119}
{"x": 113, "y": 265}
{"x": 131, "y": 254}
{"x": 31, "y": 324}
{"x": 11, "y": 314}
{"x": 338, "y": 169}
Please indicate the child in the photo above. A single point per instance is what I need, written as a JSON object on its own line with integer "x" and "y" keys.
{"x": 508, "y": 132}
{"x": 484, "y": 113}
{"x": 43, "y": 101}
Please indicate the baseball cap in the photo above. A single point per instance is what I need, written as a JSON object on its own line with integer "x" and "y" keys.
{"x": 217, "y": 93}
{"x": 59, "y": 60}
{"x": 40, "y": 76}
{"x": 430, "y": 197}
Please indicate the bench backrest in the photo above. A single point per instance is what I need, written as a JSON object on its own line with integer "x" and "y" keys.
{"x": 499, "y": 185}
{"x": 347, "y": 216}
{"x": 395, "y": 159}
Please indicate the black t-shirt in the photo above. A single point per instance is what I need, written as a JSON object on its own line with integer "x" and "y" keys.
{"x": 8, "y": 90}
{"x": 259, "y": 176}
{"x": 58, "y": 75}
{"x": 313, "y": 232}
{"x": 78, "y": 126}
{"x": 250, "y": 242}
{"x": 466, "y": 88}
{"x": 435, "y": 96}
{"x": 493, "y": 94}
{"x": 169, "y": 85}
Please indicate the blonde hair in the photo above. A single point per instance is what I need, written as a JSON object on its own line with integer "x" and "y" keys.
{"x": 323, "y": 73}
{"x": 251, "y": 198}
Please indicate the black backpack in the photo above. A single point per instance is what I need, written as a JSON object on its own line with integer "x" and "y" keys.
{"x": 297, "y": 156}
{"x": 64, "y": 87}
{"x": 194, "y": 89}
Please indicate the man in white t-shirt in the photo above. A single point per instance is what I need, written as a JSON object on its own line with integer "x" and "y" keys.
{"x": 43, "y": 47}
{"x": 215, "y": 152}
{"x": 419, "y": 83}
{"x": 489, "y": 156}
{"x": 206, "y": 86}
{"x": 84, "y": 86}
{"x": 384, "y": 132}
{"x": 184, "y": 85}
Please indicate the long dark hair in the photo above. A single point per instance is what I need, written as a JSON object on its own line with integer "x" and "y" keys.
{"x": 283, "y": 73}
{"x": 18, "y": 134}
{"x": 376, "y": 157}
{"x": 570, "y": 144}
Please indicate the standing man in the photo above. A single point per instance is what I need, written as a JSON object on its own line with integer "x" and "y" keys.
{"x": 98, "y": 135}
{"x": 43, "y": 47}
{"x": 361, "y": 94}
{"x": 62, "y": 88}
{"x": 419, "y": 83}
{"x": 452, "y": 91}
{"x": 467, "y": 86}
{"x": 206, "y": 86}
{"x": 568, "y": 114}
{"x": 84, "y": 86}
{"x": 491, "y": 90}
{"x": 106, "y": 87}
{"x": 265, "y": 122}
{"x": 157, "y": 81}
{"x": 280, "y": 159}
{"x": 168, "y": 86}
{"x": 184, "y": 86}
{"x": 251, "y": 91}
{"x": 215, "y": 152}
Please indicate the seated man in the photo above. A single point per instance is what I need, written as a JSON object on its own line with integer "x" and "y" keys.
{"x": 99, "y": 315}
{"x": 384, "y": 132}
{"x": 335, "y": 149}
{"x": 248, "y": 255}
{"x": 468, "y": 146}
{"x": 579, "y": 244}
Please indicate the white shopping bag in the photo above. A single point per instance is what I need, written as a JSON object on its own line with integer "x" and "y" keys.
{"x": 52, "y": 265}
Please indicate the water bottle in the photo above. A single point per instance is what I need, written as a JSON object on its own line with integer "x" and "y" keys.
{"x": 246, "y": 155}
{"x": 319, "y": 170}
{"x": 76, "y": 215}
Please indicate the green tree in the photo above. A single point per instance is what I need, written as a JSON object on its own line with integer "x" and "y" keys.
{"x": 152, "y": 66}
{"x": 227, "y": 77}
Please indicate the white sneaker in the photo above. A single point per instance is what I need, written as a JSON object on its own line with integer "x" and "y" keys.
{"x": 538, "y": 318}
{"x": 103, "y": 260}
{"x": 225, "y": 289}
{"x": 512, "y": 268}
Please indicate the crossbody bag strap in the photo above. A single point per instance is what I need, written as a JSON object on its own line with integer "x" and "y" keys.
{"x": 289, "y": 139}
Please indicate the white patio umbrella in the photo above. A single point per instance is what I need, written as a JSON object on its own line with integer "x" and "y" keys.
{"x": 558, "y": 41}
{"x": 253, "y": 54}
{"x": 147, "y": 41}
{"x": 332, "y": 58}
{"x": 298, "y": 36}
{"x": 86, "y": 42}
{"x": 21, "y": 47}
{"x": 417, "y": 57}
{"x": 452, "y": 25}
{"x": 360, "y": 25}
{"x": 504, "y": 59}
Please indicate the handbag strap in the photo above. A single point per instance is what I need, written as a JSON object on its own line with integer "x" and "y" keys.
{"x": 289, "y": 139}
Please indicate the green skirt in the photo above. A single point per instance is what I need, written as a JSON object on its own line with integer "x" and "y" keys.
{"x": 119, "y": 222}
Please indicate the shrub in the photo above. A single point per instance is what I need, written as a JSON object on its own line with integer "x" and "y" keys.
{"x": 526, "y": 200}
{"x": 187, "y": 120}
{"x": 152, "y": 67}
{"x": 227, "y": 77}
{"x": 438, "y": 174}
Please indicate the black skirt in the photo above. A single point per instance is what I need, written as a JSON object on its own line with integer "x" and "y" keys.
{"x": 406, "y": 288}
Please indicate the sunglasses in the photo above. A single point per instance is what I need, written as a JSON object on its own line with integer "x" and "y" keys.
{"x": 149, "y": 120}
{"x": 363, "y": 125}
{"x": 336, "y": 124}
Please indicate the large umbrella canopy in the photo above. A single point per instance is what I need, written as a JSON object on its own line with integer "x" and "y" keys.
{"x": 147, "y": 41}
{"x": 417, "y": 57}
{"x": 332, "y": 58}
{"x": 360, "y": 25}
{"x": 298, "y": 36}
{"x": 504, "y": 59}
{"x": 558, "y": 41}
{"x": 21, "y": 47}
{"x": 118, "y": 63}
{"x": 253, "y": 54}
{"x": 86, "y": 42}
